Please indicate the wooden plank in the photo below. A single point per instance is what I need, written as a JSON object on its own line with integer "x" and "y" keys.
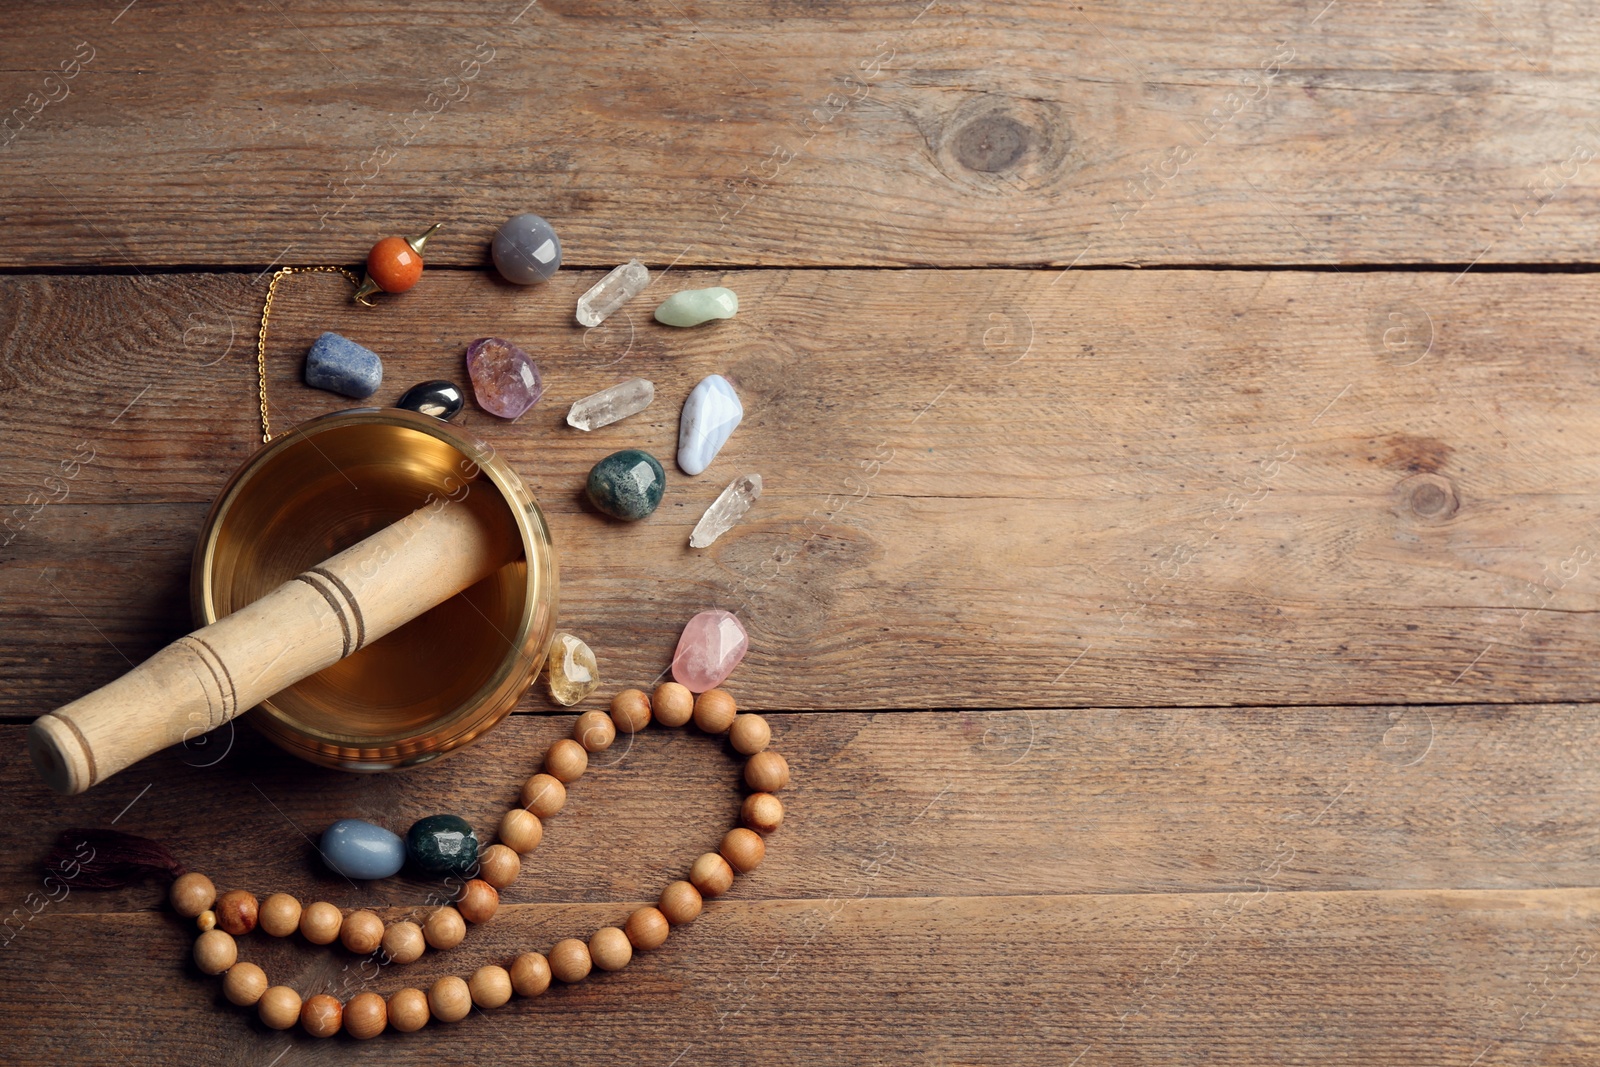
{"x": 1507, "y": 977}
{"x": 894, "y": 133}
{"x": 952, "y": 804}
{"x": 1112, "y": 489}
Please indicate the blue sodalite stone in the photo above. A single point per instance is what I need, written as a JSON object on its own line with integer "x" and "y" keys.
{"x": 443, "y": 844}
{"x": 440, "y": 398}
{"x": 358, "y": 849}
{"x": 341, "y": 366}
{"x": 526, "y": 250}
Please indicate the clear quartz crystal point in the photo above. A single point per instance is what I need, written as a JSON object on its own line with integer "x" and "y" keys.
{"x": 609, "y": 405}
{"x": 726, "y": 511}
{"x": 611, "y": 292}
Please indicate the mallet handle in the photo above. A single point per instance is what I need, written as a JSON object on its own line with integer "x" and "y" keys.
{"x": 199, "y": 682}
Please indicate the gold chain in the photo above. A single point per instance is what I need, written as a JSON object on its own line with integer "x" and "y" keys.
{"x": 261, "y": 339}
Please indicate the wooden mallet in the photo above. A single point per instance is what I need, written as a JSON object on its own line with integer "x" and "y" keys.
{"x": 315, "y": 619}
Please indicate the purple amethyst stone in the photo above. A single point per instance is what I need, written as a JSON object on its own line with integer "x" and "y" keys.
{"x": 504, "y": 377}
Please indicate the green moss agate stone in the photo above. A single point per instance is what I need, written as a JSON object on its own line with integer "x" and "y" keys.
{"x": 694, "y": 306}
{"x": 627, "y": 485}
{"x": 443, "y": 844}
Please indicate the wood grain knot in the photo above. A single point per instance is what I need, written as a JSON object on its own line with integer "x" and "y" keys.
{"x": 992, "y": 143}
{"x": 1427, "y": 498}
{"x": 1000, "y": 144}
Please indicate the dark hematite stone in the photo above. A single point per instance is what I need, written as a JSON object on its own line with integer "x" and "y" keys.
{"x": 440, "y": 398}
{"x": 443, "y": 844}
{"x": 628, "y": 484}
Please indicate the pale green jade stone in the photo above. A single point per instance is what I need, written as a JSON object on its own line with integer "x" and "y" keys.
{"x": 694, "y": 306}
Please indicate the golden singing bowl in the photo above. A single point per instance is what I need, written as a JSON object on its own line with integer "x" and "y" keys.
{"x": 438, "y": 681}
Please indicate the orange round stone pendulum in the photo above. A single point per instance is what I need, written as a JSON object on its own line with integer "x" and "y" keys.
{"x": 394, "y": 265}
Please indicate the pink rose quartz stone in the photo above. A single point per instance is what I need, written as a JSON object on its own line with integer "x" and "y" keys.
{"x": 711, "y": 647}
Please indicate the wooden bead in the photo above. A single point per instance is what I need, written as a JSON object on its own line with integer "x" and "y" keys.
{"x": 530, "y": 974}
{"x": 444, "y": 929}
{"x": 681, "y": 903}
{"x": 321, "y": 1015}
{"x": 711, "y": 875}
{"x": 566, "y": 760}
{"x": 569, "y": 960}
{"x": 610, "y": 949}
{"x": 362, "y": 932}
{"x": 449, "y": 999}
{"x": 749, "y": 734}
{"x": 191, "y": 894}
{"x": 521, "y": 830}
{"x": 320, "y": 923}
{"x": 630, "y": 711}
{"x": 743, "y": 849}
{"x": 762, "y": 812}
{"x": 766, "y": 772}
{"x": 490, "y": 986}
{"x": 595, "y": 731}
{"x": 244, "y": 984}
{"x": 408, "y": 1010}
{"x": 279, "y": 1007}
{"x": 280, "y": 915}
{"x": 206, "y": 920}
{"x": 543, "y": 795}
{"x": 647, "y": 928}
{"x": 236, "y": 912}
{"x": 672, "y": 703}
{"x": 403, "y": 942}
{"x": 714, "y": 711}
{"x": 215, "y": 951}
{"x": 478, "y": 901}
{"x": 365, "y": 1016}
{"x": 499, "y": 866}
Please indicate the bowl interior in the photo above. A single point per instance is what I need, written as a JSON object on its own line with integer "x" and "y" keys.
{"x": 323, "y": 492}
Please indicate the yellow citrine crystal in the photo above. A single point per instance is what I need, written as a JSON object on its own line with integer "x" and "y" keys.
{"x": 571, "y": 670}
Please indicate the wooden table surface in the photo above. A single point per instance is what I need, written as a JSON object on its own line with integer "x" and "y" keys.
{"x": 1176, "y": 579}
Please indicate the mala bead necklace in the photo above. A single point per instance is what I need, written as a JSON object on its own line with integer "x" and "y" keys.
{"x": 222, "y": 919}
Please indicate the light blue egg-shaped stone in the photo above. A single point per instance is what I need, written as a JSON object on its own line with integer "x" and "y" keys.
{"x": 709, "y": 417}
{"x": 339, "y": 365}
{"x": 356, "y": 848}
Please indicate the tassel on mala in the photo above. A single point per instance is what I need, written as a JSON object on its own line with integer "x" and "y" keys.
{"x": 108, "y": 859}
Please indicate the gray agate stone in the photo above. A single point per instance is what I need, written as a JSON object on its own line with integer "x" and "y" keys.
{"x": 526, "y": 250}
{"x": 341, "y": 366}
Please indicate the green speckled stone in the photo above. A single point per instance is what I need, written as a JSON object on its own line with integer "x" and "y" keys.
{"x": 627, "y": 485}
{"x": 694, "y": 306}
{"x": 443, "y": 844}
